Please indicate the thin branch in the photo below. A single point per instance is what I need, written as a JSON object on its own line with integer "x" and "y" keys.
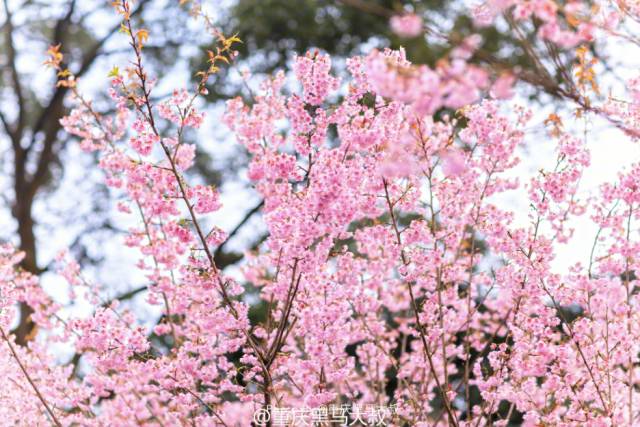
{"x": 416, "y": 312}
{"x": 28, "y": 377}
{"x": 237, "y": 228}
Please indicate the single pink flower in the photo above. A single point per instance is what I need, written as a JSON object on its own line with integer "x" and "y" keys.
{"x": 407, "y": 26}
{"x": 453, "y": 163}
{"x": 503, "y": 87}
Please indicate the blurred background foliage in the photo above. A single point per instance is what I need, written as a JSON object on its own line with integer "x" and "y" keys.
{"x": 274, "y": 30}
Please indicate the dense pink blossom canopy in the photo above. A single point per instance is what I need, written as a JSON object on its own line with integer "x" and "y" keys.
{"x": 388, "y": 251}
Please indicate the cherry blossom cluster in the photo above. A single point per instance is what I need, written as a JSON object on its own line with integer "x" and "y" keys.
{"x": 564, "y": 24}
{"x": 391, "y": 274}
{"x": 408, "y": 25}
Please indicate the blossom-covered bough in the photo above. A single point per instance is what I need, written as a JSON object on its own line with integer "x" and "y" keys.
{"x": 391, "y": 274}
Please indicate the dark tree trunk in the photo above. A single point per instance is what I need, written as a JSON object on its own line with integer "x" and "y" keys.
{"x": 23, "y": 215}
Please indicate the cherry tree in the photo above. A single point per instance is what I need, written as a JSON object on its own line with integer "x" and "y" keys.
{"x": 392, "y": 274}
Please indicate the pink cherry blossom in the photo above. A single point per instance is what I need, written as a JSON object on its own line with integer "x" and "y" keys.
{"x": 502, "y": 88}
{"x": 408, "y": 25}
{"x": 452, "y": 163}
{"x": 391, "y": 273}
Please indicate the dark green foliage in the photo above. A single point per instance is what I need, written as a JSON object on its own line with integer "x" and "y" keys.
{"x": 273, "y": 31}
